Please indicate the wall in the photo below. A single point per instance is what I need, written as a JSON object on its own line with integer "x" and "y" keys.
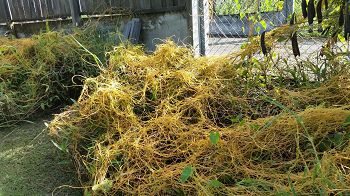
{"x": 160, "y": 27}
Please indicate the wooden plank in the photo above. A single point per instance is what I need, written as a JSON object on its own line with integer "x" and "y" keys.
{"x": 145, "y": 4}
{"x": 93, "y": 7}
{"x": 83, "y": 7}
{"x": 125, "y": 4}
{"x": 96, "y": 7}
{"x": 34, "y": 9}
{"x": 115, "y": 3}
{"x": 26, "y": 9}
{"x": 164, "y": 4}
{"x": 181, "y": 3}
{"x": 43, "y": 7}
{"x": 63, "y": 8}
{"x": 37, "y": 8}
{"x": 66, "y": 8}
{"x": 75, "y": 12}
{"x": 115, "y": 6}
{"x": 4, "y": 12}
{"x": 49, "y": 7}
{"x": 56, "y": 8}
{"x": 50, "y": 10}
{"x": 17, "y": 6}
{"x": 30, "y": 10}
{"x": 156, "y": 4}
{"x": 175, "y": 2}
{"x": 136, "y": 4}
{"x": 161, "y": 10}
{"x": 89, "y": 6}
{"x": 16, "y": 10}
{"x": 12, "y": 9}
{"x": 106, "y": 6}
{"x": 131, "y": 4}
{"x": 169, "y": 3}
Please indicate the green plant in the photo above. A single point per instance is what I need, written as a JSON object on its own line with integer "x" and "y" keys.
{"x": 246, "y": 7}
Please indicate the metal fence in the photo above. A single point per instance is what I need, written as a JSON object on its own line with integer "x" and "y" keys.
{"x": 224, "y": 26}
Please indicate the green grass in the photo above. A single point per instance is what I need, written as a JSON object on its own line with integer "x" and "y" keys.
{"x": 31, "y": 165}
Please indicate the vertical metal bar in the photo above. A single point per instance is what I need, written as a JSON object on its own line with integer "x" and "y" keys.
{"x": 204, "y": 24}
{"x": 195, "y": 27}
{"x": 201, "y": 28}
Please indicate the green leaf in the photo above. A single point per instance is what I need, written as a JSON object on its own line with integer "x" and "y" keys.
{"x": 281, "y": 39}
{"x": 214, "y": 137}
{"x": 347, "y": 121}
{"x": 291, "y": 186}
{"x": 237, "y": 119}
{"x": 341, "y": 38}
{"x": 241, "y": 15}
{"x": 104, "y": 186}
{"x": 258, "y": 29}
{"x": 62, "y": 147}
{"x": 317, "y": 171}
{"x": 263, "y": 24}
{"x": 249, "y": 182}
{"x": 243, "y": 29}
{"x": 215, "y": 183}
{"x": 186, "y": 174}
{"x": 87, "y": 193}
{"x": 279, "y": 5}
{"x": 254, "y": 127}
{"x": 338, "y": 139}
{"x": 42, "y": 106}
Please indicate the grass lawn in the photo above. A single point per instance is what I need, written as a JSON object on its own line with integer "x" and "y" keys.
{"x": 31, "y": 165}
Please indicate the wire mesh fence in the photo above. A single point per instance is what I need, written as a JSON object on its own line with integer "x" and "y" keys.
{"x": 232, "y": 22}
{"x": 226, "y": 25}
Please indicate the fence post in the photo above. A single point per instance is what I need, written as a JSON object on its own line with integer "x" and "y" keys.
{"x": 75, "y": 12}
{"x": 195, "y": 28}
{"x": 205, "y": 25}
{"x": 200, "y": 26}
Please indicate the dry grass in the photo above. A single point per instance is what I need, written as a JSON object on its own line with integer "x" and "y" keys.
{"x": 171, "y": 124}
{"x": 40, "y": 73}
